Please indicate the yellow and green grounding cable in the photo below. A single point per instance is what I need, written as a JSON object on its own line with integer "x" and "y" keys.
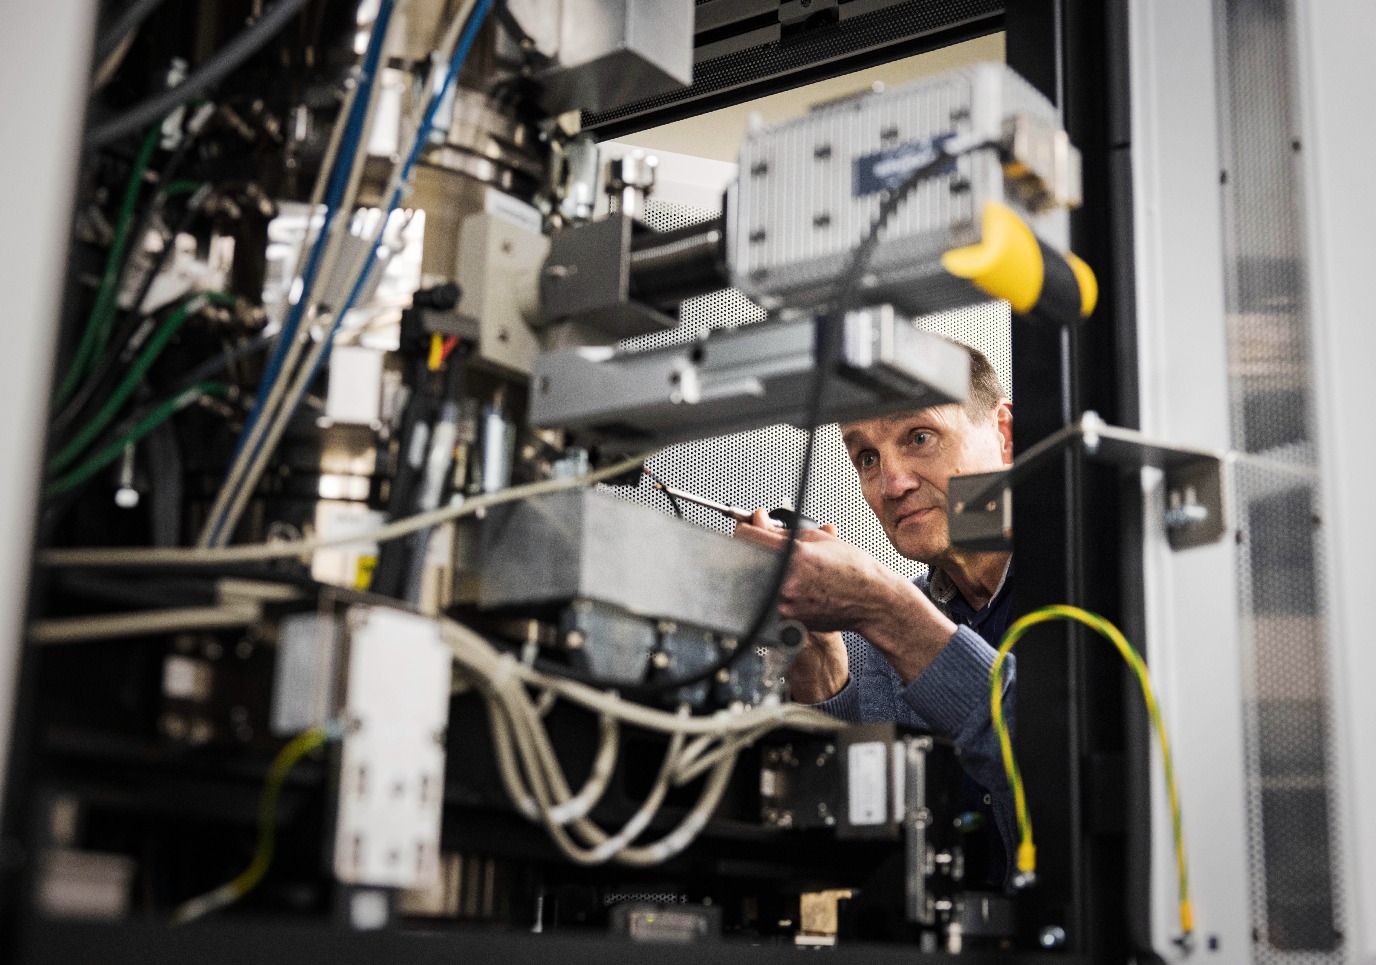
{"x": 1027, "y": 853}
{"x": 231, "y": 891}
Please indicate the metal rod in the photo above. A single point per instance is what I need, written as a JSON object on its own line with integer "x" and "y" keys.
{"x": 734, "y": 512}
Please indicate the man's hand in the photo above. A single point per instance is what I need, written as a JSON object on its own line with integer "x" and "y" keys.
{"x": 832, "y": 585}
{"x": 820, "y": 670}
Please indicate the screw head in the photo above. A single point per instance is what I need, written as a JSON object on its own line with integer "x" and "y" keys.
{"x": 1052, "y": 936}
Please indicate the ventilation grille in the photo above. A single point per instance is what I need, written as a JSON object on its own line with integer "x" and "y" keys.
{"x": 850, "y": 36}
{"x": 1294, "y": 836}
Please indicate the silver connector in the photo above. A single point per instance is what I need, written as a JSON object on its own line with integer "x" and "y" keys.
{"x": 1041, "y": 163}
{"x": 630, "y": 180}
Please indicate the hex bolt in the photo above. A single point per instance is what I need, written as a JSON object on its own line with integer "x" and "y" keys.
{"x": 1184, "y": 509}
{"x": 1052, "y": 936}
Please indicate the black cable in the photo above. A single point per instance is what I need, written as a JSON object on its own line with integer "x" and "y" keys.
{"x": 129, "y": 20}
{"x": 664, "y": 488}
{"x": 389, "y": 574}
{"x": 216, "y": 364}
{"x": 216, "y": 68}
{"x": 418, "y": 545}
{"x": 828, "y": 350}
{"x": 163, "y": 454}
{"x": 99, "y": 382}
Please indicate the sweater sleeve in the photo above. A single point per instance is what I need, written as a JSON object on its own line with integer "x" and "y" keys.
{"x": 952, "y": 695}
{"x": 845, "y": 705}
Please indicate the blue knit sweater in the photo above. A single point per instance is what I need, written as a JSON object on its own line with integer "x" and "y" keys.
{"x": 950, "y": 698}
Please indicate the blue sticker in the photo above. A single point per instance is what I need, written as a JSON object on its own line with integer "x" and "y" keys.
{"x": 886, "y": 170}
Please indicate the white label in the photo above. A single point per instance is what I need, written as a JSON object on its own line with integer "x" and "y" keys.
{"x": 186, "y": 679}
{"x": 900, "y": 781}
{"x": 869, "y": 780}
{"x": 354, "y": 396}
{"x": 349, "y": 564}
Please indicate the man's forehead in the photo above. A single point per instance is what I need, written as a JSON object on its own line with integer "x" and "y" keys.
{"x": 880, "y": 426}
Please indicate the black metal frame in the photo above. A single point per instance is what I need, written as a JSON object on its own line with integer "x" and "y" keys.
{"x": 1080, "y": 733}
{"x": 1088, "y": 740}
{"x": 869, "y": 32}
{"x": 217, "y": 944}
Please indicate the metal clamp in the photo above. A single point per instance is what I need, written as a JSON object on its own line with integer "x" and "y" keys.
{"x": 981, "y": 505}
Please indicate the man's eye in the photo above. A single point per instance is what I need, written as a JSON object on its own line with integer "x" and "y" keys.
{"x": 921, "y": 437}
{"x": 867, "y": 460}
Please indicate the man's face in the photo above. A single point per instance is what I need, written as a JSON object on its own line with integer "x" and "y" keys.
{"x": 905, "y": 463}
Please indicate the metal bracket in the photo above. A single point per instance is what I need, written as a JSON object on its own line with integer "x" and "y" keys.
{"x": 754, "y": 376}
{"x": 981, "y": 505}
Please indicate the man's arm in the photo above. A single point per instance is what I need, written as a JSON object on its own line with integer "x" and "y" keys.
{"x": 952, "y": 696}
{"x": 833, "y": 586}
{"x": 820, "y": 670}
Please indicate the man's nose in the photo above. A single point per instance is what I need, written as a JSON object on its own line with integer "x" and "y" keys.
{"x": 896, "y": 481}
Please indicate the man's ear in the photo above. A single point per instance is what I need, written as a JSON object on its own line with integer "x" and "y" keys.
{"x": 1004, "y": 416}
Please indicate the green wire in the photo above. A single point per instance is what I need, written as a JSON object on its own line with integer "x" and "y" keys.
{"x": 1026, "y": 859}
{"x": 231, "y": 891}
{"x": 180, "y": 187}
{"x": 131, "y": 379}
{"x": 97, "y": 331}
{"x": 101, "y": 458}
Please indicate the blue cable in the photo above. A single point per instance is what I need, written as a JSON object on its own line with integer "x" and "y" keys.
{"x": 465, "y": 44}
{"x": 460, "y": 54}
{"x": 334, "y": 196}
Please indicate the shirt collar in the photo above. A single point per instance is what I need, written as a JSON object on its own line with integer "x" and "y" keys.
{"x": 943, "y": 589}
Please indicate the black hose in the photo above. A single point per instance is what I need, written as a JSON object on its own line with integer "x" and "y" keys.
{"x": 100, "y": 381}
{"x": 216, "y": 68}
{"x": 664, "y": 488}
{"x": 129, "y": 20}
{"x": 164, "y": 455}
{"x": 213, "y": 366}
{"x": 830, "y": 333}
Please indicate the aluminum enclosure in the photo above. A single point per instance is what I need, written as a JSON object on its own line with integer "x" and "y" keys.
{"x": 756, "y": 376}
{"x": 591, "y": 545}
{"x": 810, "y": 187}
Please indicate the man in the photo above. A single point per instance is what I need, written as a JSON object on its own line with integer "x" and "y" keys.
{"x": 927, "y": 644}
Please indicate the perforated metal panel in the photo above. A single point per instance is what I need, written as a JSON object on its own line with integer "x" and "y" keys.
{"x": 1294, "y": 832}
{"x": 761, "y": 468}
{"x": 849, "y": 37}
